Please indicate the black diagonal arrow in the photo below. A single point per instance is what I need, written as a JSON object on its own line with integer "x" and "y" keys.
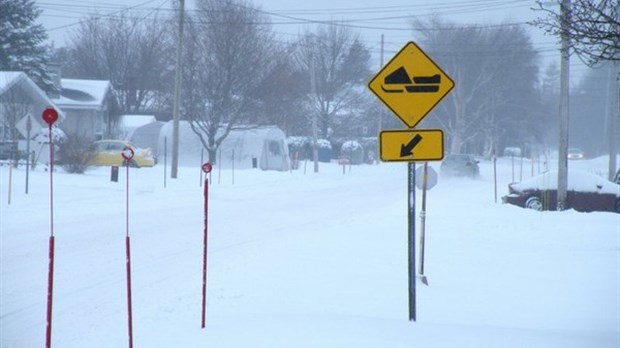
{"x": 407, "y": 150}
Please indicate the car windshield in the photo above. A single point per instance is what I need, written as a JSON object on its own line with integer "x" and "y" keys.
{"x": 116, "y": 146}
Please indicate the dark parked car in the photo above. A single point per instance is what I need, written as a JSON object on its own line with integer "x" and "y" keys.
{"x": 460, "y": 165}
{"x": 586, "y": 192}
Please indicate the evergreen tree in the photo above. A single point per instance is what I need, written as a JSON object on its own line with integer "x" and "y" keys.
{"x": 22, "y": 45}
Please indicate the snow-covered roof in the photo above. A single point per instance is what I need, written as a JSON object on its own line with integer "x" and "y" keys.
{"x": 578, "y": 180}
{"x": 10, "y": 78}
{"x": 83, "y": 93}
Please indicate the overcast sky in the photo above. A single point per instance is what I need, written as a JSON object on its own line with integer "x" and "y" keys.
{"x": 371, "y": 17}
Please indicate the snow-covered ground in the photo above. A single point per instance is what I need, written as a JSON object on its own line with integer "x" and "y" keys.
{"x": 303, "y": 260}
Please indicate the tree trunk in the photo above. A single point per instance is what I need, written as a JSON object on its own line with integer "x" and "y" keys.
{"x": 212, "y": 155}
{"x": 489, "y": 145}
{"x": 455, "y": 146}
{"x": 457, "y": 139}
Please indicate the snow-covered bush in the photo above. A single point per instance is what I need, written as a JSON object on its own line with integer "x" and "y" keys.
{"x": 75, "y": 153}
{"x": 303, "y": 147}
{"x": 324, "y": 144}
{"x": 352, "y": 150}
{"x": 297, "y": 146}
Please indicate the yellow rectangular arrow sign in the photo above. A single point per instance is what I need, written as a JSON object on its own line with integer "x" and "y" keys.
{"x": 411, "y": 145}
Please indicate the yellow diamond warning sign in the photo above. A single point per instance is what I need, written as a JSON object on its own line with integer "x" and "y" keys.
{"x": 411, "y": 84}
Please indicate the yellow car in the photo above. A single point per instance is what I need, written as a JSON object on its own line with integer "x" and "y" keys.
{"x": 109, "y": 154}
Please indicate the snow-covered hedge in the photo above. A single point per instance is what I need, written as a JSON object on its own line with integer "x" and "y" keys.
{"x": 352, "y": 150}
{"x": 303, "y": 147}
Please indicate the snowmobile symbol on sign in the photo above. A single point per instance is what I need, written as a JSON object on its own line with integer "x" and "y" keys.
{"x": 399, "y": 82}
{"x": 411, "y": 84}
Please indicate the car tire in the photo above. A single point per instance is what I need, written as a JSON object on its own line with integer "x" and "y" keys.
{"x": 617, "y": 207}
{"x": 534, "y": 203}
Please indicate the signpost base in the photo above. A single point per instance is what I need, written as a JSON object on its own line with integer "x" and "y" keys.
{"x": 411, "y": 240}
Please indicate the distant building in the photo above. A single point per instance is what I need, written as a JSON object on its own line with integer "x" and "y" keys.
{"x": 89, "y": 106}
{"x": 129, "y": 123}
{"x": 20, "y": 99}
{"x": 86, "y": 107}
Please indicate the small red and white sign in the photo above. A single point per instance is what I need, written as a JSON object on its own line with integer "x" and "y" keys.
{"x": 127, "y": 153}
{"x": 50, "y": 115}
{"x": 207, "y": 167}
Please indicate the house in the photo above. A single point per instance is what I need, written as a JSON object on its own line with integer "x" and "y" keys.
{"x": 89, "y": 106}
{"x": 85, "y": 107}
{"x": 21, "y": 99}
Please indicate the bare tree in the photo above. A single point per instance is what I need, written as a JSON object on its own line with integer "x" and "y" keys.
{"x": 341, "y": 66}
{"x": 593, "y": 33}
{"x": 510, "y": 112}
{"x": 230, "y": 51}
{"x": 457, "y": 51}
{"x": 495, "y": 98}
{"x": 131, "y": 50}
{"x": 593, "y": 27}
{"x": 281, "y": 96}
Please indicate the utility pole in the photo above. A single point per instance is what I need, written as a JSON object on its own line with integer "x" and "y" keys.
{"x": 177, "y": 95}
{"x": 380, "y": 124}
{"x": 315, "y": 145}
{"x": 565, "y": 8}
{"x": 613, "y": 119}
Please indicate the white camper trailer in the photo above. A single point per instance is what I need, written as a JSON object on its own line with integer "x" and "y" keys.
{"x": 263, "y": 147}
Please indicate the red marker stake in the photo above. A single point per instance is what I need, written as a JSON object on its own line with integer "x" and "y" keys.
{"x": 207, "y": 167}
{"x": 50, "y": 116}
{"x": 128, "y": 154}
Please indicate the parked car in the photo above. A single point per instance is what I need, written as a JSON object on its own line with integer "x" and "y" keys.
{"x": 109, "y": 154}
{"x": 460, "y": 165}
{"x": 586, "y": 192}
{"x": 512, "y": 152}
{"x": 575, "y": 154}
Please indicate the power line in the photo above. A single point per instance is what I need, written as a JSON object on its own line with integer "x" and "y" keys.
{"x": 111, "y": 14}
{"x": 283, "y": 17}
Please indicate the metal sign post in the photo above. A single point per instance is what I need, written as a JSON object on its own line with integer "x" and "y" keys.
{"x": 425, "y": 185}
{"x": 411, "y": 240}
{"x": 24, "y": 126}
{"x": 28, "y": 130}
{"x": 10, "y": 179}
